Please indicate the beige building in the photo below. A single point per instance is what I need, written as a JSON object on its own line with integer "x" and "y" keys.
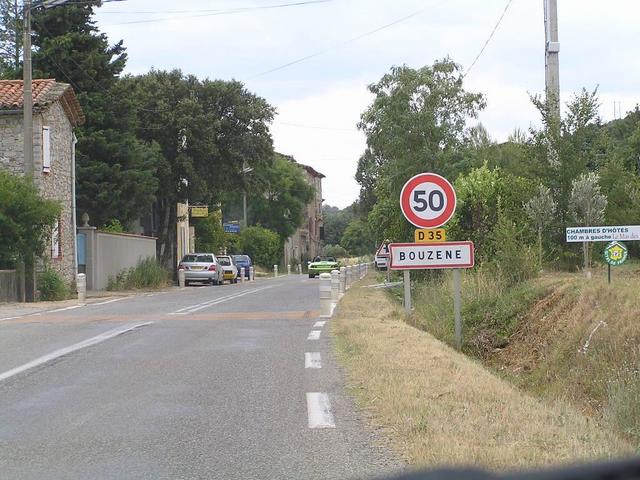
{"x": 306, "y": 243}
{"x": 56, "y": 111}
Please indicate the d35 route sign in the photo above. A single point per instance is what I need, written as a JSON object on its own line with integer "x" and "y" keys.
{"x": 429, "y": 236}
{"x": 418, "y": 256}
{"x": 428, "y": 200}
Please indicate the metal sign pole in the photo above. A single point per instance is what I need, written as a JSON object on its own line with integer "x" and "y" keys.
{"x": 457, "y": 301}
{"x": 609, "y": 272}
{"x": 407, "y": 291}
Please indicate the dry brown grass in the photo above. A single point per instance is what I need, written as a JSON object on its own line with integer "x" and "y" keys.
{"x": 441, "y": 408}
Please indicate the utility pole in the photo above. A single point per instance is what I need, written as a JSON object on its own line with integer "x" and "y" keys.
{"x": 27, "y": 100}
{"x": 552, "y": 65}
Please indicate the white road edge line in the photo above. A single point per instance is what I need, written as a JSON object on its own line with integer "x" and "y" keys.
{"x": 72, "y": 348}
{"x": 314, "y": 335}
{"x": 312, "y": 360}
{"x": 319, "y": 410}
{"x": 72, "y": 307}
{"x": 113, "y": 300}
{"x": 320, "y": 324}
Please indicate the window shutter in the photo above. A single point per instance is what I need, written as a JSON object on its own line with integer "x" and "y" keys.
{"x": 46, "y": 149}
{"x": 55, "y": 240}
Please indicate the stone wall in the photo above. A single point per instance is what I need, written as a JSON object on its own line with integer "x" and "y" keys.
{"x": 55, "y": 185}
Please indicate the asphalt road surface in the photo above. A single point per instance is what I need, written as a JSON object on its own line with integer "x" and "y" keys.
{"x": 230, "y": 382}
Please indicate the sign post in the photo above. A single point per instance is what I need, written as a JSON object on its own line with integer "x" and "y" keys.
{"x": 428, "y": 201}
{"x": 457, "y": 306}
{"x": 614, "y": 254}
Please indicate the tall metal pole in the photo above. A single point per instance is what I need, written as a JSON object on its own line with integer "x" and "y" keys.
{"x": 28, "y": 98}
{"x": 244, "y": 209}
{"x": 552, "y": 64}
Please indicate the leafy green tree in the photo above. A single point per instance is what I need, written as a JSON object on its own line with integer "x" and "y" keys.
{"x": 25, "y": 219}
{"x": 417, "y": 122}
{"x": 622, "y": 188}
{"x": 262, "y": 245}
{"x": 284, "y": 198}
{"x": 115, "y": 171}
{"x": 205, "y": 131}
{"x": 335, "y": 221}
{"x": 540, "y": 209}
{"x": 587, "y": 205}
{"x": 10, "y": 39}
{"x": 357, "y": 238}
{"x": 210, "y": 235}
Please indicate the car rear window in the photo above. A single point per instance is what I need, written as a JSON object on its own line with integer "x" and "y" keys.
{"x": 224, "y": 261}
{"x": 197, "y": 258}
{"x": 241, "y": 258}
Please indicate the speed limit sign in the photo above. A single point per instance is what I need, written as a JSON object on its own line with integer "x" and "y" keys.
{"x": 428, "y": 200}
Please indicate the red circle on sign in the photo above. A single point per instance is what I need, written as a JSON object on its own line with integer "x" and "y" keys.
{"x": 407, "y": 193}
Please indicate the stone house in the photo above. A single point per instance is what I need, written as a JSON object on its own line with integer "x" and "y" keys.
{"x": 306, "y": 242}
{"x": 56, "y": 111}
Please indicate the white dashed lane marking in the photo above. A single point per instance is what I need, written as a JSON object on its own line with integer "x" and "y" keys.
{"x": 319, "y": 410}
{"x": 314, "y": 335}
{"x": 320, "y": 323}
{"x": 312, "y": 360}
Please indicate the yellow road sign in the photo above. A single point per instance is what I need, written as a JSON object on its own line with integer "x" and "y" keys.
{"x": 429, "y": 236}
{"x": 199, "y": 212}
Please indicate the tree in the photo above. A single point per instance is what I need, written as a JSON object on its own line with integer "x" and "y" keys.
{"x": 10, "y": 39}
{"x": 417, "y": 122}
{"x": 284, "y": 198}
{"x": 357, "y": 238}
{"x": 25, "y": 219}
{"x": 205, "y": 131}
{"x": 335, "y": 221}
{"x": 115, "y": 171}
{"x": 587, "y": 206}
{"x": 210, "y": 235}
{"x": 541, "y": 210}
{"x": 262, "y": 245}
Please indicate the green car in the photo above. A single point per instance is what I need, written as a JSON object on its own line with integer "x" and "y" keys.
{"x": 322, "y": 265}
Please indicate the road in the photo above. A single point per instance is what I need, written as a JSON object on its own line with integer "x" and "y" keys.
{"x": 207, "y": 382}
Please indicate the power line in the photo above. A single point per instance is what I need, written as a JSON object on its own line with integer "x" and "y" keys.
{"x": 338, "y": 45}
{"x": 209, "y": 10}
{"x": 315, "y": 127}
{"x": 222, "y": 12}
{"x": 488, "y": 39}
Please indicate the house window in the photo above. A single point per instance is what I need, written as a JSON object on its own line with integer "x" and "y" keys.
{"x": 55, "y": 240}
{"x": 46, "y": 149}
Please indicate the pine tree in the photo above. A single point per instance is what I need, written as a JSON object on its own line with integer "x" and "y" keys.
{"x": 115, "y": 170}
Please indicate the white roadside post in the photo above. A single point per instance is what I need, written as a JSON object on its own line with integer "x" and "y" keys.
{"x": 299, "y": 269}
{"x": 343, "y": 280}
{"x": 347, "y": 285}
{"x": 252, "y": 274}
{"x": 288, "y": 269}
{"x": 335, "y": 286}
{"x": 457, "y": 304}
{"x": 181, "y": 281}
{"x": 242, "y": 273}
{"x": 325, "y": 295}
{"x": 406, "y": 274}
{"x": 275, "y": 270}
{"x": 81, "y": 285}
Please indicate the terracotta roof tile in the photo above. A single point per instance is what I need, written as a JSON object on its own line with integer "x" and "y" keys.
{"x": 45, "y": 92}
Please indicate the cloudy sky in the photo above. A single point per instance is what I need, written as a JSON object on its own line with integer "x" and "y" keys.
{"x": 314, "y": 60}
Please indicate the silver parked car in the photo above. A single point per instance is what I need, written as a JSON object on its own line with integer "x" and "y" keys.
{"x": 201, "y": 267}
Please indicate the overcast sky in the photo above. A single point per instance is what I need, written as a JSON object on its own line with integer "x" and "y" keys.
{"x": 319, "y": 100}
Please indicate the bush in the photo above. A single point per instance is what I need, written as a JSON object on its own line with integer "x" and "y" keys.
{"x": 335, "y": 251}
{"x": 148, "y": 273}
{"x": 262, "y": 245}
{"x": 51, "y": 286}
{"x": 113, "y": 226}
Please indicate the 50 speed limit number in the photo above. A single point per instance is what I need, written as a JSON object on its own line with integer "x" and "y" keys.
{"x": 428, "y": 200}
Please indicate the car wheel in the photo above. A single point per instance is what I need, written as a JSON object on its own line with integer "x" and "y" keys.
{"x": 235, "y": 280}
{"x": 186, "y": 283}
{"x": 311, "y": 275}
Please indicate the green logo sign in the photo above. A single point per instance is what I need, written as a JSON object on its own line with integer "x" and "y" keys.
{"x": 615, "y": 253}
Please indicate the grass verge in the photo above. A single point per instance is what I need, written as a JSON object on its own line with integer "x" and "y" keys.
{"x": 442, "y": 408}
{"x": 147, "y": 274}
